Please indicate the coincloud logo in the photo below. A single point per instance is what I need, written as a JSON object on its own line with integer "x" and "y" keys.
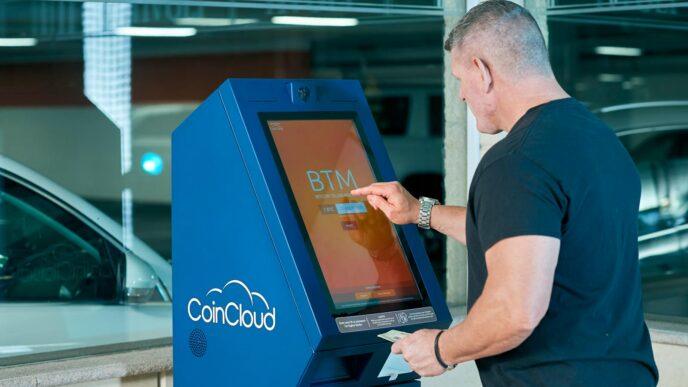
{"x": 252, "y": 311}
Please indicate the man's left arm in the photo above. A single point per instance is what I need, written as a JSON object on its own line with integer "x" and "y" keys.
{"x": 515, "y": 298}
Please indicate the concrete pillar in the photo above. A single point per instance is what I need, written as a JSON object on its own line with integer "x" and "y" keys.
{"x": 455, "y": 161}
{"x": 538, "y": 8}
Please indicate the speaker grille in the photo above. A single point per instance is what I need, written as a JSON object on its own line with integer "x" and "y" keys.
{"x": 198, "y": 342}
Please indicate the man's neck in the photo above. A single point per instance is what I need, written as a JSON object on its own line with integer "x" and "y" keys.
{"x": 525, "y": 96}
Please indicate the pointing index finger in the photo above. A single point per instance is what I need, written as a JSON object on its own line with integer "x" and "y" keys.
{"x": 371, "y": 190}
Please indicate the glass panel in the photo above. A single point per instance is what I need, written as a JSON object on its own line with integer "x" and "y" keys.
{"x": 92, "y": 91}
{"x": 436, "y": 115}
{"x": 629, "y": 67}
{"x": 49, "y": 255}
{"x": 609, "y": 4}
{"x": 390, "y": 113}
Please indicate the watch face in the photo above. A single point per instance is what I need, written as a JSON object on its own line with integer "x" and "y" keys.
{"x": 425, "y": 200}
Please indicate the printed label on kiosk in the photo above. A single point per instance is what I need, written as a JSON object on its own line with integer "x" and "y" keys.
{"x": 359, "y": 253}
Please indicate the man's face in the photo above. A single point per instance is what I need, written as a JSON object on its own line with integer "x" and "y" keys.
{"x": 479, "y": 98}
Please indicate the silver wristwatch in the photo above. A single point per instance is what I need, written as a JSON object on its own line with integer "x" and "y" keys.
{"x": 424, "y": 212}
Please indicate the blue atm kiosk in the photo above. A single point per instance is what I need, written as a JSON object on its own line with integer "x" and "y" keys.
{"x": 281, "y": 277}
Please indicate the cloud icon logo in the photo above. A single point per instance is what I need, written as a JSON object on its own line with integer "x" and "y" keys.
{"x": 243, "y": 285}
{"x": 233, "y": 313}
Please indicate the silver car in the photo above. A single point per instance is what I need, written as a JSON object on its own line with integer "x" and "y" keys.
{"x": 66, "y": 280}
{"x": 656, "y": 136}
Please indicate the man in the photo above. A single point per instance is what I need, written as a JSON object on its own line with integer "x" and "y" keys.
{"x": 554, "y": 292}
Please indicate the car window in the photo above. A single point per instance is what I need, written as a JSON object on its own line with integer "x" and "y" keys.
{"x": 48, "y": 254}
{"x": 657, "y": 146}
{"x": 391, "y": 114}
{"x": 662, "y": 162}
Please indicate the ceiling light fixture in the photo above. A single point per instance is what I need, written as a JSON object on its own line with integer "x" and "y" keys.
{"x": 18, "y": 42}
{"x": 157, "y": 32}
{"x": 212, "y": 21}
{"x": 604, "y": 77}
{"x": 316, "y": 21}
{"x": 618, "y": 51}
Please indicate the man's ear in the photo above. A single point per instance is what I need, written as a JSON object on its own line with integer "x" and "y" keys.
{"x": 485, "y": 74}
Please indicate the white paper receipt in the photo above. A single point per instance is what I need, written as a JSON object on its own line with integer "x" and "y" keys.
{"x": 393, "y": 367}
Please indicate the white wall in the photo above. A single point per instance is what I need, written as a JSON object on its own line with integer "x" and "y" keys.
{"x": 77, "y": 147}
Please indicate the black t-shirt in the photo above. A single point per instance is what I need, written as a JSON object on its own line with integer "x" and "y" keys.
{"x": 561, "y": 172}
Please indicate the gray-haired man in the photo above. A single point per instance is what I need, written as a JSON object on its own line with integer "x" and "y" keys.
{"x": 551, "y": 225}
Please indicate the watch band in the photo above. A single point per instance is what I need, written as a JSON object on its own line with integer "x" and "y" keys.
{"x": 425, "y": 210}
{"x": 437, "y": 353}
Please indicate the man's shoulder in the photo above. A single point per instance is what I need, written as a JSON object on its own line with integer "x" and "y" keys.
{"x": 554, "y": 141}
{"x": 519, "y": 142}
{"x": 501, "y": 164}
{"x": 511, "y": 153}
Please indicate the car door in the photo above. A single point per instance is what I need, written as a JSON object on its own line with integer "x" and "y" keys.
{"x": 62, "y": 281}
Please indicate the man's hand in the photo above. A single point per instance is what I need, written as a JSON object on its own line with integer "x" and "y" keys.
{"x": 418, "y": 350}
{"x": 373, "y": 232}
{"x": 395, "y": 201}
{"x": 401, "y": 207}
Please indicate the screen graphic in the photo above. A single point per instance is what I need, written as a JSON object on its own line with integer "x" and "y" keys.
{"x": 357, "y": 248}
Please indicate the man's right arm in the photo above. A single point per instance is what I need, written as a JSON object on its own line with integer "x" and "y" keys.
{"x": 401, "y": 207}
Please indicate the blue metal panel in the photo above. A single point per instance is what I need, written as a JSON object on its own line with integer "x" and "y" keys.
{"x": 232, "y": 220}
{"x": 215, "y": 207}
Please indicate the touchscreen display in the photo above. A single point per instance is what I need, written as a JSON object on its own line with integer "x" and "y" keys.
{"x": 357, "y": 248}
